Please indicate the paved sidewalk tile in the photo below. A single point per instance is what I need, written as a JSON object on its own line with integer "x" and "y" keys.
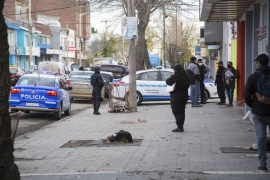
{"x": 161, "y": 155}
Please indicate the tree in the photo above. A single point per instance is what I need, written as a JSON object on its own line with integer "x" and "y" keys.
{"x": 8, "y": 169}
{"x": 144, "y": 10}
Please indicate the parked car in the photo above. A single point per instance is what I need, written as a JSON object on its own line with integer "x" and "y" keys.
{"x": 80, "y": 83}
{"x": 151, "y": 86}
{"x": 118, "y": 71}
{"x": 55, "y": 68}
{"x": 16, "y": 73}
{"x": 41, "y": 92}
{"x": 81, "y": 87}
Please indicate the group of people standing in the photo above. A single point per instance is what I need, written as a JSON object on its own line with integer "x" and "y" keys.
{"x": 193, "y": 77}
{"x": 225, "y": 81}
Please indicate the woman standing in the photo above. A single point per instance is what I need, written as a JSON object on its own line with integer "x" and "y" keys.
{"x": 179, "y": 96}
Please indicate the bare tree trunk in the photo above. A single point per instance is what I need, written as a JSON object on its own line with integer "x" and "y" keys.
{"x": 142, "y": 57}
{"x": 8, "y": 169}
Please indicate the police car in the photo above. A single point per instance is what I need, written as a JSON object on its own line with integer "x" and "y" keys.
{"x": 41, "y": 92}
{"x": 151, "y": 86}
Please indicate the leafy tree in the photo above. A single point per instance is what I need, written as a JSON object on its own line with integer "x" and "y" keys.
{"x": 8, "y": 169}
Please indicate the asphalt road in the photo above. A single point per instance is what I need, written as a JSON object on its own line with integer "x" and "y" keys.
{"x": 32, "y": 121}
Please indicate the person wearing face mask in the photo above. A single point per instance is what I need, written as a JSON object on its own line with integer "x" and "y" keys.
{"x": 220, "y": 82}
{"x": 230, "y": 76}
{"x": 203, "y": 71}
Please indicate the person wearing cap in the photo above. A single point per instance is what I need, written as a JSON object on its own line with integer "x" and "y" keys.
{"x": 230, "y": 76}
{"x": 260, "y": 111}
{"x": 194, "y": 75}
{"x": 220, "y": 82}
{"x": 203, "y": 71}
{"x": 97, "y": 83}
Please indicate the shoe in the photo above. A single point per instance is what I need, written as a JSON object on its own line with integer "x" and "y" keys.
{"x": 203, "y": 103}
{"x": 94, "y": 112}
{"x": 197, "y": 105}
{"x": 192, "y": 105}
{"x": 262, "y": 169}
{"x": 229, "y": 105}
{"x": 178, "y": 130}
{"x": 97, "y": 113}
{"x": 221, "y": 103}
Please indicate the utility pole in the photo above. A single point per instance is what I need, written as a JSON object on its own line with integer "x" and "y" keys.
{"x": 132, "y": 64}
{"x": 106, "y": 30}
{"x": 30, "y": 32}
{"x": 164, "y": 49}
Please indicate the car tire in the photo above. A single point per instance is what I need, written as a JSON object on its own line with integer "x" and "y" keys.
{"x": 139, "y": 98}
{"x": 27, "y": 111}
{"x": 58, "y": 114}
{"x": 206, "y": 96}
{"x": 68, "y": 111}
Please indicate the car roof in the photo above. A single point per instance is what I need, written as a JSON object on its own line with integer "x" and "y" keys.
{"x": 149, "y": 70}
{"x": 40, "y": 75}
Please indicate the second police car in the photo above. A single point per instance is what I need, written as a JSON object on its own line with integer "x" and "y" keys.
{"x": 41, "y": 92}
{"x": 151, "y": 86}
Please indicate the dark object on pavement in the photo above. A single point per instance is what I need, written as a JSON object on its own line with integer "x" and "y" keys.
{"x": 121, "y": 136}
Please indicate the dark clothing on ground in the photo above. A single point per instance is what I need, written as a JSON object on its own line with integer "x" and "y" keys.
{"x": 179, "y": 96}
{"x": 97, "y": 83}
{"x": 220, "y": 82}
{"x": 249, "y": 91}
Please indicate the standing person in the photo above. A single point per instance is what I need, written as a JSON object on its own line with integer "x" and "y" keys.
{"x": 179, "y": 96}
{"x": 260, "y": 111}
{"x": 203, "y": 71}
{"x": 220, "y": 82}
{"x": 97, "y": 83}
{"x": 194, "y": 75}
{"x": 230, "y": 76}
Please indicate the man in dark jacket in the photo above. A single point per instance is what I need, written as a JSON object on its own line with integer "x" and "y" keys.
{"x": 230, "y": 76}
{"x": 179, "y": 96}
{"x": 203, "y": 71}
{"x": 220, "y": 82}
{"x": 97, "y": 83}
{"x": 260, "y": 111}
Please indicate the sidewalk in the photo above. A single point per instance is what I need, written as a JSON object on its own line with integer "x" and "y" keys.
{"x": 194, "y": 154}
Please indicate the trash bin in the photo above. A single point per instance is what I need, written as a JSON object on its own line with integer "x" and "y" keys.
{"x": 15, "y": 117}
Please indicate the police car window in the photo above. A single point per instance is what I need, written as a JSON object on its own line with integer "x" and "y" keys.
{"x": 36, "y": 81}
{"x": 149, "y": 76}
{"x": 165, "y": 75}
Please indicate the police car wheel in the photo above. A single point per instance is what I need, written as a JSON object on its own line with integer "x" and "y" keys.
{"x": 139, "y": 98}
{"x": 68, "y": 111}
{"x": 57, "y": 115}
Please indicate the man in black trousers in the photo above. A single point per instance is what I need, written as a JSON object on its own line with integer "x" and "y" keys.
{"x": 97, "y": 83}
{"x": 220, "y": 82}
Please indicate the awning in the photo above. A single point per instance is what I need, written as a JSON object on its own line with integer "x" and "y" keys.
{"x": 224, "y": 10}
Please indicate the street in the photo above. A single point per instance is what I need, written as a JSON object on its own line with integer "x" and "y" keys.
{"x": 32, "y": 121}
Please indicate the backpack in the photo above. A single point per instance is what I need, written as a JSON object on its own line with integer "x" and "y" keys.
{"x": 263, "y": 88}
